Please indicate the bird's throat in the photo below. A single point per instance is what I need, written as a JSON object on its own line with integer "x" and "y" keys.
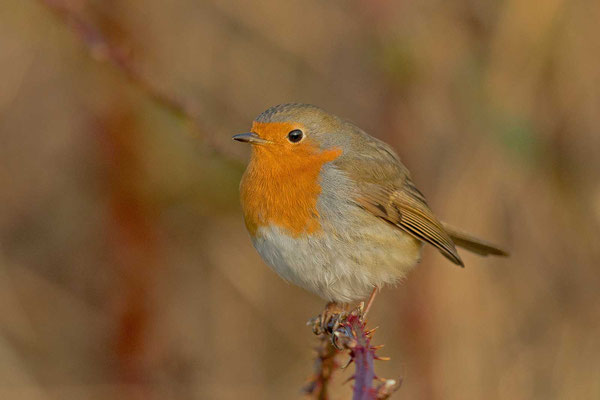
{"x": 283, "y": 190}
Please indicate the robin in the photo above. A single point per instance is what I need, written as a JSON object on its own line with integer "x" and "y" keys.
{"x": 333, "y": 209}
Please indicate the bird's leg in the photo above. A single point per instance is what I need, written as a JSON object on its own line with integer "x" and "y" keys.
{"x": 369, "y": 303}
{"x": 328, "y": 320}
{"x": 335, "y": 313}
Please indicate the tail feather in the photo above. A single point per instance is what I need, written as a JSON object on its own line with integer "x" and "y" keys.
{"x": 473, "y": 244}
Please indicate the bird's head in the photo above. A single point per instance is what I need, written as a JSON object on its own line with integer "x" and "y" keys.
{"x": 289, "y": 133}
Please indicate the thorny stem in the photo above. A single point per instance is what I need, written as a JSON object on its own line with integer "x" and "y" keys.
{"x": 349, "y": 333}
{"x": 363, "y": 356}
{"x": 325, "y": 365}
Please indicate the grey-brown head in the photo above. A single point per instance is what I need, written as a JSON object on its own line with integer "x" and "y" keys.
{"x": 294, "y": 124}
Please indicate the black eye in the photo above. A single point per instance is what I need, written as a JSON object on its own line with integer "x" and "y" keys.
{"x": 295, "y": 136}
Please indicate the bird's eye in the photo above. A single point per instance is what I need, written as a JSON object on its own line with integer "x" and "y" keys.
{"x": 295, "y": 136}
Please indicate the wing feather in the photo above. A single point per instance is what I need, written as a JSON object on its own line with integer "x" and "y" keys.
{"x": 406, "y": 208}
{"x": 385, "y": 189}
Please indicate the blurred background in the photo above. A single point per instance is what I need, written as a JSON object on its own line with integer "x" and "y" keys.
{"x": 125, "y": 268}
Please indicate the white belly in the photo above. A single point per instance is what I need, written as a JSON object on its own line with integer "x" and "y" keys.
{"x": 340, "y": 266}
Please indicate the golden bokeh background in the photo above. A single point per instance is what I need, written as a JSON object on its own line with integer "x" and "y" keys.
{"x": 125, "y": 268}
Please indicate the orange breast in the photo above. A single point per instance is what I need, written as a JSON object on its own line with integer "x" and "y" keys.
{"x": 281, "y": 187}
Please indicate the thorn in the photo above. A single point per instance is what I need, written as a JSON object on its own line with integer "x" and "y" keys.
{"x": 379, "y": 346}
{"x": 349, "y": 379}
{"x": 353, "y": 331}
{"x": 370, "y": 331}
{"x": 350, "y": 359}
{"x": 382, "y": 358}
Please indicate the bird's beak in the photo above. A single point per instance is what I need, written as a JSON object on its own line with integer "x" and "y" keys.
{"x": 251, "y": 138}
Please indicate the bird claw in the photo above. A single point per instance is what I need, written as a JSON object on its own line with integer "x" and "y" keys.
{"x": 335, "y": 341}
{"x": 329, "y": 320}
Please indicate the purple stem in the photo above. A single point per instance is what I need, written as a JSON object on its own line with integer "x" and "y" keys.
{"x": 363, "y": 356}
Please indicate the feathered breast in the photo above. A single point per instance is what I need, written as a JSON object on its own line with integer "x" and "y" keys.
{"x": 283, "y": 190}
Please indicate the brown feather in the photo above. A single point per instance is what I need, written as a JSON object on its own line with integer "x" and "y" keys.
{"x": 472, "y": 243}
{"x": 386, "y": 190}
{"x": 407, "y": 209}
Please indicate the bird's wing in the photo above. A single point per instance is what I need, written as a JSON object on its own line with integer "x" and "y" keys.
{"x": 386, "y": 190}
{"x": 472, "y": 243}
{"x": 406, "y": 208}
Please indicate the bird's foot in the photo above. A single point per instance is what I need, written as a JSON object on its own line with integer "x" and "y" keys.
{"x": 329, "y": 320}
{"x": 329, "y": 323}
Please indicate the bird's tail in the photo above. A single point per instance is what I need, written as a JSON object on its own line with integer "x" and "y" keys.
{"x": 473, "y": 244}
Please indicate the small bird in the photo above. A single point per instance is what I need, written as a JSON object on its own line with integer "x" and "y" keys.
{"x": 333, "y": 209}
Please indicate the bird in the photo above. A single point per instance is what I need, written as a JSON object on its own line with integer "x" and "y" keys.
{"x": 333, "y": 210}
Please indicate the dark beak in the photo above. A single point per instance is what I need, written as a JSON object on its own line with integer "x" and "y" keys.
{"x": 251, "y": 138}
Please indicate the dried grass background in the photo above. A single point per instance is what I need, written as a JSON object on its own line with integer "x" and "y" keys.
{"x": 125, "y": 268}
